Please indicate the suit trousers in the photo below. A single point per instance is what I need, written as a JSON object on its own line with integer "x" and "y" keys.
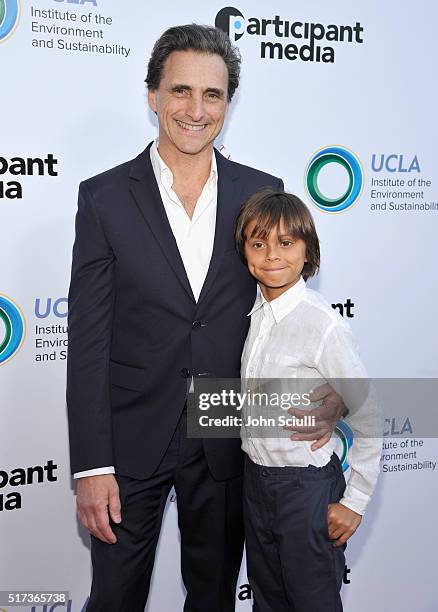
{"x": 211, "y": 528}
{"x": 292, "y": 563}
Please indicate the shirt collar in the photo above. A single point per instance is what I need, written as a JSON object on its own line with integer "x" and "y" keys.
{"x": 163, "y": 172}
{"x": 282, "y": 305}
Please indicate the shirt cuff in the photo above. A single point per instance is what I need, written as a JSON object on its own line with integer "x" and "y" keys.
{"x": 96, "y": 472}
{"x": 355, "y": 500}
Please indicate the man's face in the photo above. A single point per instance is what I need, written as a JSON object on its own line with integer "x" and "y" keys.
{"x": 275, "y": 261}
{"x": 191, "y": 101}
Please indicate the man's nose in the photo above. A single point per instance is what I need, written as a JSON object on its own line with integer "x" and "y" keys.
{"x": 195, "y": 108}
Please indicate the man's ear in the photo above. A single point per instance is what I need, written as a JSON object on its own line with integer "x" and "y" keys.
{"x": 152, "y": 100}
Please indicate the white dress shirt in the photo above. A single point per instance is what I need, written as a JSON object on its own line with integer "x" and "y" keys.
{"x": 194, "y": 236}
{"x": 298, "y": 335}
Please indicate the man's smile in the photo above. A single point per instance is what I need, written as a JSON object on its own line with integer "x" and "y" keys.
{"x": 191, "y": 127}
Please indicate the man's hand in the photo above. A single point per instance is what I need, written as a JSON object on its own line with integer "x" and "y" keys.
{"x": 326, "y": 416}
{"x": 96, "y": 496}
{"x": 342, "y": 523}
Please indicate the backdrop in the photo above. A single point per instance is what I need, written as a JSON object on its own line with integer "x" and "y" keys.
{"x": 337, "y": 98}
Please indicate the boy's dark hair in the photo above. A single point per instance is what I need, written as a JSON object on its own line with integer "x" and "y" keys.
{"x": 269, "y": 206}
{"x": 205, "y": 39}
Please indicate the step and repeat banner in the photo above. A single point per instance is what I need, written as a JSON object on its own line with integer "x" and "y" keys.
{"x": 339, "y": 99}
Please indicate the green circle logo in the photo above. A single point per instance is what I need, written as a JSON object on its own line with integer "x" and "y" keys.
{"x": 345, "y": 435}
{"x": 350, "y": 163}
{"x": 9, "y": 16}
{"x": 13, "y": 323}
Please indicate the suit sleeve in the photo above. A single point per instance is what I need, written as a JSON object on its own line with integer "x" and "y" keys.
{"x": 90, "y": 314}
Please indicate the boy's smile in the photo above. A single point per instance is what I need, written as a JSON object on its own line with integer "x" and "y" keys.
{"x": 276, "y": 260}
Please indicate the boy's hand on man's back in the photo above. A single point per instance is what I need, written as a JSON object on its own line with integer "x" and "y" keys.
{"x": 342, "y": 523}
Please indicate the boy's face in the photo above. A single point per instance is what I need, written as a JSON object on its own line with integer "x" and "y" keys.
{"x": 276, "y": 261}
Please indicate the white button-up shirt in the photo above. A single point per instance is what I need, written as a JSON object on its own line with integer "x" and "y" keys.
{"x": 298, "y": 335}
{"x": 194, "y": 237}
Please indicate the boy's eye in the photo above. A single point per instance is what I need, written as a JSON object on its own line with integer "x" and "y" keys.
{"x": 286, "y": 243}
{"x": 258, "y": 245}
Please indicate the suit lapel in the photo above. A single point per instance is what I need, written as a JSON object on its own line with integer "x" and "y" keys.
{"x": 144, "y": 188}
{"x": 228, "y": 196}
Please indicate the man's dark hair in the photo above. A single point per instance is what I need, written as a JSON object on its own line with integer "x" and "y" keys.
{"x": 268, "y": 207}
{"x": 194, "y": 37}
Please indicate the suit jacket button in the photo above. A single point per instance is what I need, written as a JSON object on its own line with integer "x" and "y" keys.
{"x": 185, "y": 372}
{"x": 198, "y": 324}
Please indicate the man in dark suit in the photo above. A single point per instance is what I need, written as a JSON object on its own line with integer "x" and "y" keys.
{"x": 159, "y": 297}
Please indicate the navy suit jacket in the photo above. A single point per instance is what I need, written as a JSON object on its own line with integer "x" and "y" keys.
{"x": 132, "y": 343}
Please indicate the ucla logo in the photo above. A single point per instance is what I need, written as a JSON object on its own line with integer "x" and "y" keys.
{"x": 345, "y": 435}
{"x": 350, "y": 163}
{"x": 12, "y": 328}
{"x": 48, "y": 306}
{"x": 9, "y": 16}
{"x": 394, "y": 163}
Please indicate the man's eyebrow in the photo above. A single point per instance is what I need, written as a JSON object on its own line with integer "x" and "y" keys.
{"x": 180, "y": 86}
{"x": 216, "y": 90}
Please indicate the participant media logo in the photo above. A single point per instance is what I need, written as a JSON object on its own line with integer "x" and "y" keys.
{"x": 231, "y": 21}
{"x": 334, "y": 155}
{"x": 289, "y": 38}
{"x": 12, "y": 329}
{"x": 9, "y": 16}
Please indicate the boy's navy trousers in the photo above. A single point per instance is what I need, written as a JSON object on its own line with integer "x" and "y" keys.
{"x": 292, "y": 563}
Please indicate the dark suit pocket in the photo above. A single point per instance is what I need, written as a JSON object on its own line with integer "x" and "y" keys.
{"x": 128, "y": 377}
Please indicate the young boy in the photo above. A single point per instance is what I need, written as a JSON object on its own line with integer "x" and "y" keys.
{"x": 299, "y": 512}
